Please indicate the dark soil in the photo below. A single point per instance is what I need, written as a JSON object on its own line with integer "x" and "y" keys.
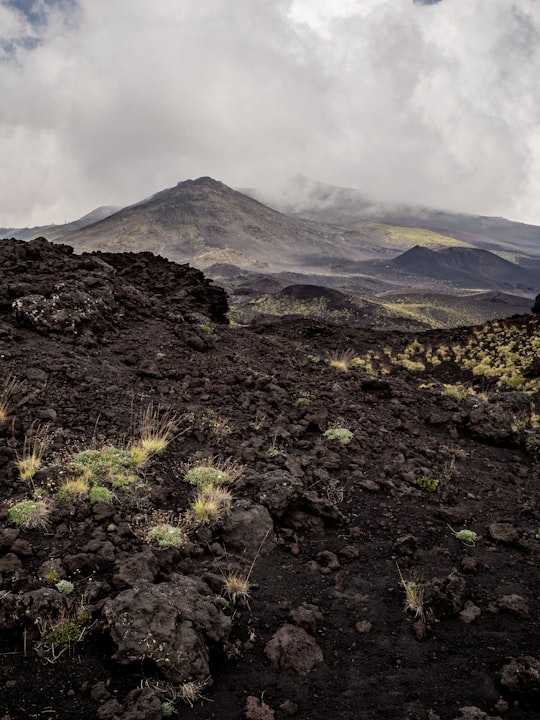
{"x": 326, "y": 533}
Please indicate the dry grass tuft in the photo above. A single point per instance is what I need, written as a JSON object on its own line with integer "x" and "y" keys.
{"x": 29, "y": 461}
{"x": 157, "y": 429}
{"x": 341, "y": 361}
{"x": 414, "y": 594}
{"x": 9, "y": 388}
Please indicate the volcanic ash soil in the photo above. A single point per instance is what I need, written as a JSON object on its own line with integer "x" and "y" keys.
{"x": 357, "y": 593}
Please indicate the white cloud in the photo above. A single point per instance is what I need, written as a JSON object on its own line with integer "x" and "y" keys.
{"x": 433, "y": 104}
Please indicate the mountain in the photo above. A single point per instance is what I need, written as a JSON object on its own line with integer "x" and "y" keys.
{"x": 319, "y": 235}
{"x": 56, "y": 232}
{"x": 353, "y": 209}
{"x": 205, "y": 222}
{"x": 467, "y": 268}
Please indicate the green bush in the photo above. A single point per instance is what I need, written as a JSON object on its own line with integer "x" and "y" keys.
{"x": 343, "y": 435}
{"x": 165, "y": 535}
{"x": 428, "y": 483}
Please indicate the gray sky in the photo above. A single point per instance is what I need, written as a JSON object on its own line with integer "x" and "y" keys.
{"x": 109, "y": 101}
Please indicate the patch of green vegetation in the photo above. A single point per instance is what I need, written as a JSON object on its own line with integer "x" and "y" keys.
{"x": 427, "y": 483}
{"x": 165, "y": 536}
{"x": 30, "y": 514}
{"x": 110, "y": 464}
{"x": 65, "y": 587}
{"x": 100, "y": 493}
{"x": 342, "y": 435}
{"x": 408, "y": 237}
{"x": 212, "y": 472}
{"x": 467, "y": 537}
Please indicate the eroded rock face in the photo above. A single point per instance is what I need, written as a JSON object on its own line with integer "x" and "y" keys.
{"x": 170, "y": 623}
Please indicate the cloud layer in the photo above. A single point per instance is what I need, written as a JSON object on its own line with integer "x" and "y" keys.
{"x": 108, "y": 102}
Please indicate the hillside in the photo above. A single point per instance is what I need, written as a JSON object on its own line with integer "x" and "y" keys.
{"x": 468, "y": 268}
{"x": 205, "y": 222}
{"x": 298, "y": 519}
{"x": 353, "y": 209}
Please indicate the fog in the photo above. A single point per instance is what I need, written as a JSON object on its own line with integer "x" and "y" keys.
{"x": 431, "y": 103}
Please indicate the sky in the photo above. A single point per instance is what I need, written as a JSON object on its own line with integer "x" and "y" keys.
{"x": 429, "y": 102}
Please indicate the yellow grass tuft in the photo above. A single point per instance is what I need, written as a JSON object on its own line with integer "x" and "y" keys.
{"x": 9, "y": 388}
{"x": 341, "y": 361}
{"x": 156, "y": 431}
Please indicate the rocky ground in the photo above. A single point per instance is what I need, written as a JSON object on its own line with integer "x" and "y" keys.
{"x": 357, "y": 593}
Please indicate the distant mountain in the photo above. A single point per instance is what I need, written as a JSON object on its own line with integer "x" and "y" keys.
{"x": 353, "y": 209}
{"x": 318, "y": 235}
{"x": 204, "y": 222}
{"x": 55, "y": 232}
{"x": 468, "y": 268}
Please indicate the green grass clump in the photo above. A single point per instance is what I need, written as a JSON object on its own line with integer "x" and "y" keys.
{"x": 427, "y": 483}
{"x": 65, "y": 587}
{"x": 30, "y": 514}
{"x": 165, "y": 535}
{"x": 210, "y": 472}
{"x": 342, "y": 435}
{"x": 100, "y": 493}
{"x": 107, "y": 465}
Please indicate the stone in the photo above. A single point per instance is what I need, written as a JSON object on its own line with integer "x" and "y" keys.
{"x": 291, "y": 649}
{"x": 169, "y": 623}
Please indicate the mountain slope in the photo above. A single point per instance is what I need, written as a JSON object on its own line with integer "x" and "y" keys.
{"x": 56, "y": 232}
{"x": 205, "y": 222}
{"x": 467, "y": 267}
{"x": 353, "y": 209}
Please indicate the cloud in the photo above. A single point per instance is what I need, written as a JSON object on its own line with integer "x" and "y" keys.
{"x": 106, "y": 103}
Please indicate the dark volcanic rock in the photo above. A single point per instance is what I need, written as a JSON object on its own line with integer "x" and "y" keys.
{"x": 78, "y": 298}
{"x": 171, "y": 623}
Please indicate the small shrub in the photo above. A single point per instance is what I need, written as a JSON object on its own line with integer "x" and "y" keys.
{"x": 30, "y": 514}
{"x": 341, "y": 361}
{"x": 65, "y": 587}
{"x": 75, "y": 488}
{"x": 427, "y": 483}
{"x": 109, "y": 464}
{"x": 211, "y": 503}
{"x": 165, "y": 535}
{"x": 100, "y": 493}
{"x": 303, "y": 401}
{"x": 342, "y": 435}
{"x": 214, "y": 473}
